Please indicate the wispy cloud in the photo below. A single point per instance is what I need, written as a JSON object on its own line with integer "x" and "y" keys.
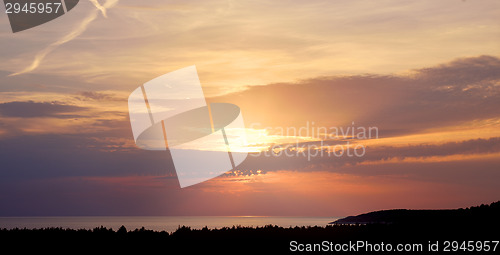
{"x": 82, "y": 26}
{"x": 32, "y": 109}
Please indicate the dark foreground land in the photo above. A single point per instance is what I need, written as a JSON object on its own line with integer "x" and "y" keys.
{"x": 393, "y": 227}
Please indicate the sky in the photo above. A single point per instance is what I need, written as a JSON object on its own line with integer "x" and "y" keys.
{"x": 423, "y": 75}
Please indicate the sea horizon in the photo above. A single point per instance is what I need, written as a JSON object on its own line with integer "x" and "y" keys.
{"x": 158, "y": 223}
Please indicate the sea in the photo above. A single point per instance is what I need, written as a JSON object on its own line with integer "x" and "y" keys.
{"x": 161, "y": 223}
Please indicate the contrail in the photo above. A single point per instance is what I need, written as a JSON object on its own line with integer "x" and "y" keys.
{"x": 100, "y": 7}
{"x": 70, "y": 36}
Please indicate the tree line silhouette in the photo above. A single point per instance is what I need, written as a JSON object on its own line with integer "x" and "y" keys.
{"x": 474, "y": 223}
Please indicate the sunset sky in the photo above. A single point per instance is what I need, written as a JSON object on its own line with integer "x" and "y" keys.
{"x": 426, "y": 74}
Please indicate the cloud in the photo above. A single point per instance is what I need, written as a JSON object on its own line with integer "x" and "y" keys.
{"x": 88, "y": 166}
{"x": 98, "y": 96}
{"x": 107, "y": 154}
{"x": 83, "y": 154}
{"x": 98, "y": 153}
{"x": 397, "y": 104}
{"x": 468, "y": 147}
{"x": 463, "y": 90}
{"x": 32, "y": 109}
{"x": 78, "y": 30}
{"x": 25, "y": 114}
{"x": 461, "y": 73}
{"x": 241, "y": 43}
{"x": 313, "y": 160}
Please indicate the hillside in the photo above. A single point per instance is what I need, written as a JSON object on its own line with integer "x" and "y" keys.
{"x": 477, "y": 214}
